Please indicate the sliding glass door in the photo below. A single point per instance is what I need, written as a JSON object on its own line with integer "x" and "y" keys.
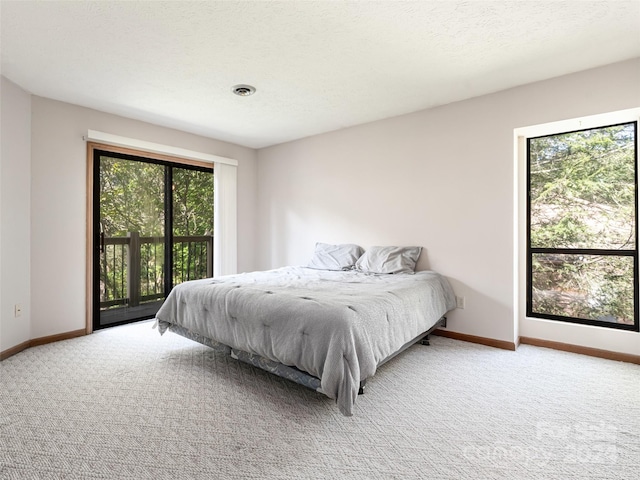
{"x": 136, "y": 202}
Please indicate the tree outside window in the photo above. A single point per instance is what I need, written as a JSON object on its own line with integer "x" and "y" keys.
{"x": 582, "y": 229}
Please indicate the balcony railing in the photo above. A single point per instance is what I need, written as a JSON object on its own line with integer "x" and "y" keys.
{"x": 132, "y": 267}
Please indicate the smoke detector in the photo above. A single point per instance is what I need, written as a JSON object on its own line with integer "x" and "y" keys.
{"x": 243, "y": 90}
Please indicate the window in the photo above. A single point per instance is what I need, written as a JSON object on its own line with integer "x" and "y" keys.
{"x": 582, "y": 256}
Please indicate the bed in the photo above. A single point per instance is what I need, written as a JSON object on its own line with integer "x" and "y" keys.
{"x": 326, "y": 329}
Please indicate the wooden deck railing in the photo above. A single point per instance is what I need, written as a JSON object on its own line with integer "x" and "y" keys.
{"x": 132, "y": 267}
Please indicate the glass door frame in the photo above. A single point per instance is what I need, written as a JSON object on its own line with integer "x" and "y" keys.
{"x": 93, "y": 216}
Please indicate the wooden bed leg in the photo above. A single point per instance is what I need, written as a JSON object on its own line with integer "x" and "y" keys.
{"x": 363, "y": 383}
{"x": 425, "y": 340}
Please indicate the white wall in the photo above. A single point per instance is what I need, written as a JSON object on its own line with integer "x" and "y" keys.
{"x": 58, "y": 210}
{"x": 15, "y": 168}
{"x": 441, "y": 178}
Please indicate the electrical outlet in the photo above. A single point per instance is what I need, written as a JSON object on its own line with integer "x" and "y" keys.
{"x": 460, "y": 302}
{"x": 17, "y": 310}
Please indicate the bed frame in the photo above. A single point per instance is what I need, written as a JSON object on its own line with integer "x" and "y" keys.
{"x": 284, "y": 371}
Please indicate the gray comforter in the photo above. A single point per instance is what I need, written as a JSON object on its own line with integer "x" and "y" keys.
{"x": 337, "y": 326}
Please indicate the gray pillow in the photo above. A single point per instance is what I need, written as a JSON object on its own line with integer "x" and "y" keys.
{"x": 335, "y": 257}
{"x": 389, "y": 260}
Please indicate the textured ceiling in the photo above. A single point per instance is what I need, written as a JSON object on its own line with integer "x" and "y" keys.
{"x": 317, "y": 65}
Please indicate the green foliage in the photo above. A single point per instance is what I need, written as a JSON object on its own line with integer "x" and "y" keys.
{"x": 192, "y": 202}
{"x": 132, "y": 200}
{"x": 131, "y": 197}
{"x": 192, "y": 215}
{"x": 583, "y": 196}
{"x": 584, "y": 286}
{"x": 583, "y": 189}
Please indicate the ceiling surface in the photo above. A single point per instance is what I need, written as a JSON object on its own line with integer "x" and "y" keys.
{"x": 317, "y": 66}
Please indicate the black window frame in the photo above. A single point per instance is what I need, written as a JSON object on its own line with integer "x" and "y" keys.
{"x": 531, "y": 251}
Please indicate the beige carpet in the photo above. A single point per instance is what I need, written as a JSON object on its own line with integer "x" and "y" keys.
{"x": 125, "y": 403}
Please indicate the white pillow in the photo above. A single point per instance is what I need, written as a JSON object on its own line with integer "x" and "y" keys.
{"x": 389, "y": 260}
{"x": 335, "y": 257}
